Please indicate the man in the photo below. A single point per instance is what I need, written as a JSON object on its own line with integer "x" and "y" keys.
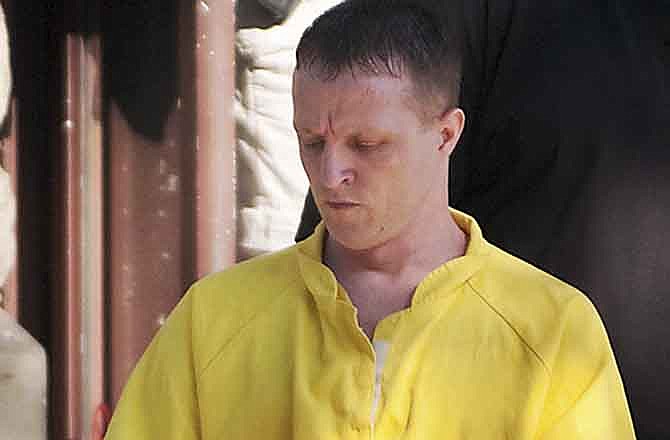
{"x": 564, "y": 163}
{"x": 395, "y": 319}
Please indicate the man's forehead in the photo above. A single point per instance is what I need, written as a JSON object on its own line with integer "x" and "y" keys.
{"x": 308, "y": 86}
{"x": 313, "y": 93}
{"x": 352, "y": 75}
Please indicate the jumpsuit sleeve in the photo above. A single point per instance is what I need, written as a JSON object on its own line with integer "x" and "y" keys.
{"x": 586, "y": 397}
{"x": 160, "y": 400}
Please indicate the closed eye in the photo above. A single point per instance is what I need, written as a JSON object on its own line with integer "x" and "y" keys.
{"x": 313, "y": 145}
{"x": 367, "y": 146}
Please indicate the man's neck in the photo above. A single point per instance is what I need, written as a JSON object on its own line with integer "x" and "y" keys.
{"x": 382, "y": 280}
{"x": 416, "y": 250}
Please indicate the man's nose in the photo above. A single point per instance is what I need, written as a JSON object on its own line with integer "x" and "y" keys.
{"x": 337, "y": 166}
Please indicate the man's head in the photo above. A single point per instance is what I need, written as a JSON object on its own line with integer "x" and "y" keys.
{"x": 400, "y": 38}
{"x": 375, "y": 121}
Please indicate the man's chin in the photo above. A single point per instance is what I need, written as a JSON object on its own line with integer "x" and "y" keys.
{"x": 353, "y": 237}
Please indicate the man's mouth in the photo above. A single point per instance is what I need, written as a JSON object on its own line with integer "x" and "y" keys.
{"x": 341, "y": 204}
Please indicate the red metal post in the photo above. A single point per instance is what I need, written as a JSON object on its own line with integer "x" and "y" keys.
{"x": 214, "y": 144}
{"x": 66, "y": 389}
{"x": 93, "y": 255}
{"x": 171, "y": 205}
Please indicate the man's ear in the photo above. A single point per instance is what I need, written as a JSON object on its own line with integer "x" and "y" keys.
{"x": 451, "y": 123}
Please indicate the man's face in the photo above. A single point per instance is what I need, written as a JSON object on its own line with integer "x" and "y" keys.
{"x": 375, "y": 166}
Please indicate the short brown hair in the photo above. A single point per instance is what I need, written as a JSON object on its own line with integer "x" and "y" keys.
{"x": 394, "y": 37}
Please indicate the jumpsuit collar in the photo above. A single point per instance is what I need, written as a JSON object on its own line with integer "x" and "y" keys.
{"x": 321, "y": 281}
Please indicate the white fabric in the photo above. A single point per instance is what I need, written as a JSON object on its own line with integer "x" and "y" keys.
{"x": 23, "y": 383}
{"x": 5, "y": 72}
{"x": 382, "y": 349}
{"x": 7, "y": 205}
{"x": 7, "y": 216}
{"x": 23, "y": 374}
{"x": 271, "y": 184}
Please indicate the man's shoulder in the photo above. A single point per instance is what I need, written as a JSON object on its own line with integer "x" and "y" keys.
{"x": 225, "y": 302}
{"x": 248, "y": 287}
{"x": 266, "y": 267}
{"x": 508, "y": 278}
{"x": 535, "y": 304}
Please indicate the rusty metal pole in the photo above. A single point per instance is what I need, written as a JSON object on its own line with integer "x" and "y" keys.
{"x": 171, "y": 194}
{"x": 79, "y": 342}
{"x": 66, "y": 371}
{"x": 76, "y": 340}
{"x": 92, "y": 245}
{"x": 145, "y": 252}
{"x": 215, "y": 151}
{"x": 150, "y": 183}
